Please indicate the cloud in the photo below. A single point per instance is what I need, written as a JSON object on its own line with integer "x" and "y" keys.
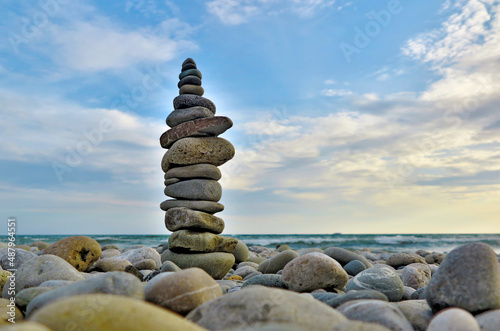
{"x": 235, "y": 12}
{"x": 336, "y": 92}
{"x": 100, "y": 45}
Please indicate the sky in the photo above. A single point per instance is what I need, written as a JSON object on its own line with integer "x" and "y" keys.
{"x": 349, "y": 116}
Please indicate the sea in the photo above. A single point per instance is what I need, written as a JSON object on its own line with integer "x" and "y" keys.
{"x": 387, "y": 242}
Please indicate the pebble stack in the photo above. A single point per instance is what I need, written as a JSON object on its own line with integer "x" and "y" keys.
{"x": 191, "y": 179}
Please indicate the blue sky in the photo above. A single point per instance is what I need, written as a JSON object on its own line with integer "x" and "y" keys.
{"x": 352, "y": 117}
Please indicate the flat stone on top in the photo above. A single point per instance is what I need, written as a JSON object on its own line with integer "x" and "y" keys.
{"x": 200, "y": 127}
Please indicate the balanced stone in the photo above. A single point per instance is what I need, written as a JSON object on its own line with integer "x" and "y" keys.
{"x": 189, "y": 80}
{"x": 190, "y": 100}
{"x": 187, "y": 151}
{"x": 184, "y": 218}
{"x": 203, "y": 170}
{"x": 215, "y": 264}
{"x": 179, "y": 116}
{"x": 188, "y": 66}
{"x": 195, "y": 189}
{"x": 468, "y": 278}
{"x": 182, "y": 291}
{"x": 192, "y": 241}
{"x": 204, "y": 206}
{"x": 188, "y": 60}
{"x": 200, "y": 127}
{"x": 171, "y": 181}
{"x": 189, "y": 72}
{"x": 191, "y": 89}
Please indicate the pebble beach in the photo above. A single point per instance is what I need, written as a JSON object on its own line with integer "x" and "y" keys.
{"x": 76, "y": 283}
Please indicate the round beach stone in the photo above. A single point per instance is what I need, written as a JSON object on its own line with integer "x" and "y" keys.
{"x": 376, "y": 311}
{"x": 202, "y": 127}
{"x": 110, "y": 253}
{"x": 258, "y": 304}
{"x": 189, "y": 80}
{"x": 314, "y": 271}
{"x": 146, "y": 264}
{"x": 338, "y": 300}
{"x": 380, "y": 278}
{"x": 489, "y": 320}
{"x": 179, "y": 116}
{"x": 417, "y": 312}
{"x": 111, "y": 264}
{"x": 195, "y": 189}
{"x": 402, "y": 259}
{"x": 42, "y": 268}
{"x": 244, "y": 271}
{"x": 187, "y": 151}
{"x": 117, "y": 283}
{"x": 4, "y": 278}
{"x": 183, "y": 241}
{"x": 416, "y": 275}
{"x": 190, "y": 72}
{"x": 453, "y": 319}
{"x": 267, "y": 280}
{"x": 343, "y": 256}
{"x": 80, "y": 251}
{"x": 21, "y": 256}
{"x": 241, "y": 252}
{"x": 104, "y": 312}
{"x": 215, "y": 264}
{"x": 210, "y": 207}
{"x": 204, "y": 171}
{"x": 277, "y": 262}
{"x": 435, "y": 258}
{"x": 185, "y": 218}
{"x": 41, "y": 245}
{"x": 190, "y": 100}
{"x": 191, "y": 89}
{"x": 354, "y": 267}
{"x": 169, "y": 266}
{"x": 182, "y": 291}
{"x": 358, "y": 326}
{"x": 24, "y": 297}
{"x": 468, "y": 278}
{"x": 141, "y": 253}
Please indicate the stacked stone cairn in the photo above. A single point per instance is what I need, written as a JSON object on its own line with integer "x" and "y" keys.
{"x": 191, "y": 178}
